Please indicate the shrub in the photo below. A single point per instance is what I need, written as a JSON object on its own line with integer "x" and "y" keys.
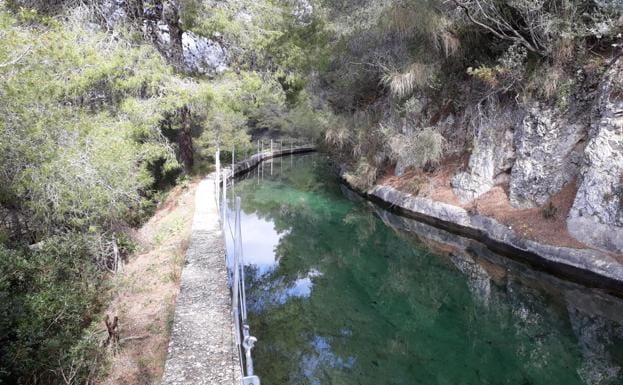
{"x": 364, "y": 176}
{"x": 549, "y": 211}
{"x": 424, "y": 147}
{"x": 403, "y": 84}
{"x": 49, "y": 295}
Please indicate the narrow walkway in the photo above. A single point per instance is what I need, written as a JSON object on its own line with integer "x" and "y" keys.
{"x": 202, "y": 350}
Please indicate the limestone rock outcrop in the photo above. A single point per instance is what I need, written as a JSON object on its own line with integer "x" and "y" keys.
{"x": 202, "y": 55}
{"x": 548, "y": 154}
{"x": 199, "y": 54}
{"x": 491, "y": 158}
{"x": 596, "y": 217}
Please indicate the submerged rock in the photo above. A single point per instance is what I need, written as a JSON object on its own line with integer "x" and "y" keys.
{"x": 596, "y": 217}
{"x": 549, "y": 151}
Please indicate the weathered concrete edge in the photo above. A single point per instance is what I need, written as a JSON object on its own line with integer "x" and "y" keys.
{"x": 253, "y": 161}
{"x": 587, "y": 267}
{"x": 201, "y": 348}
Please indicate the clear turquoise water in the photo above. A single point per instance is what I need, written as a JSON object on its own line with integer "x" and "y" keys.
{"x": 337, "y": 296}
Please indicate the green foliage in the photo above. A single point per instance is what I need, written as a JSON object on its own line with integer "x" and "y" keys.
{"x": 429, "y": 63}
{"x": 90, "y": 130}
{"x": 80, "y": 130}
{"x": 488, "y": 75}
{"x": 70, "y": 155}
{"x": 49, "y": 295}
{"x": 94, "y": 124}
{"x": 564, "y": 93}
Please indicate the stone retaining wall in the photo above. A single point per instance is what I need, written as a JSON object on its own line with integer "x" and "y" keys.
{"x": 585, "y": 266}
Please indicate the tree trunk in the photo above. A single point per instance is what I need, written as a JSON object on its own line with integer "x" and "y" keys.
{"x": 185, "y": 140}
{"x": 170, "y": 15}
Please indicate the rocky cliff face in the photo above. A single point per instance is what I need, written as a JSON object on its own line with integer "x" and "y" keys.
{"x": 549, "y": 150}
{"x": 597, "y": 214}
{"x": 161, "y": 25}
{"x": 491, "y": 159}
{"x": 546, "y": 149}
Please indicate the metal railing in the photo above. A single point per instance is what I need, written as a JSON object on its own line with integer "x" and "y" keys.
{"x": 244, "y": 341}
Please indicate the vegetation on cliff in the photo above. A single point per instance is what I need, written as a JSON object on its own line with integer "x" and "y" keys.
{"x": 451, "y": 67}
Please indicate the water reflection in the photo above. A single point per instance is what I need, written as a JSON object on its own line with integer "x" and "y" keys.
{"x": 341, "y": 292}
{"x": 260, "y": 238}
{"x": 596, "y": 319}
{"x": 313, "y": 364}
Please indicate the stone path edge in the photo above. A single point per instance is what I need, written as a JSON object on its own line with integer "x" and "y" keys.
{"x": 253, "y": 161}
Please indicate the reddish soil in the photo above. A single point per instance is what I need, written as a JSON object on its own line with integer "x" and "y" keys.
{"x": 536, "y": 224}
{"x": 144, "y": 293}
{"x": 434, "y": 185}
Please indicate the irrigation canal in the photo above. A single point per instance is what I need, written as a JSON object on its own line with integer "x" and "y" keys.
{"x": 337, "y": 293}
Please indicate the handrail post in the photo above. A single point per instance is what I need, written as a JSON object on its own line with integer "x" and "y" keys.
{"x": 224, "y": 199}
{"x": 217, "y": 160}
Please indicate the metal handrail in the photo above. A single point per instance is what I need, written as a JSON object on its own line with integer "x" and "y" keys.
{"x": 244, "y": 340}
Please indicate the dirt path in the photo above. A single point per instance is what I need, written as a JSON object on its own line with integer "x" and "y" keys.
{"x": 144, "y": 293}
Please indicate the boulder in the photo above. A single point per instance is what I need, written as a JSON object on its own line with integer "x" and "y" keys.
{"x": 548, "y": 155}
{"x": 596, "y": 217}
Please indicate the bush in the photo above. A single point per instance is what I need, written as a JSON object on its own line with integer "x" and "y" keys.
{"x": 424, "y": 147}
{"x": 364, "y": 175}
{"x": 549, "y": 211}
{"x": 49, "y": 296}
{"x": 80, "y": 128}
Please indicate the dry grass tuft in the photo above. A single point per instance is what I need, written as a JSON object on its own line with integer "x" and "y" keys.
{"x": 403, "y": 84}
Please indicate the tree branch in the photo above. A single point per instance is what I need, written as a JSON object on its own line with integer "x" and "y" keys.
{"x": 17, "y": 59}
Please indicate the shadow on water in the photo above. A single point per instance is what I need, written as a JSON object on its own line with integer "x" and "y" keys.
{"x": 343, "y": 292}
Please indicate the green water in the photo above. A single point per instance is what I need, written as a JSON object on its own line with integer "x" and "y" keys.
{"x": 337, "y": 296}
